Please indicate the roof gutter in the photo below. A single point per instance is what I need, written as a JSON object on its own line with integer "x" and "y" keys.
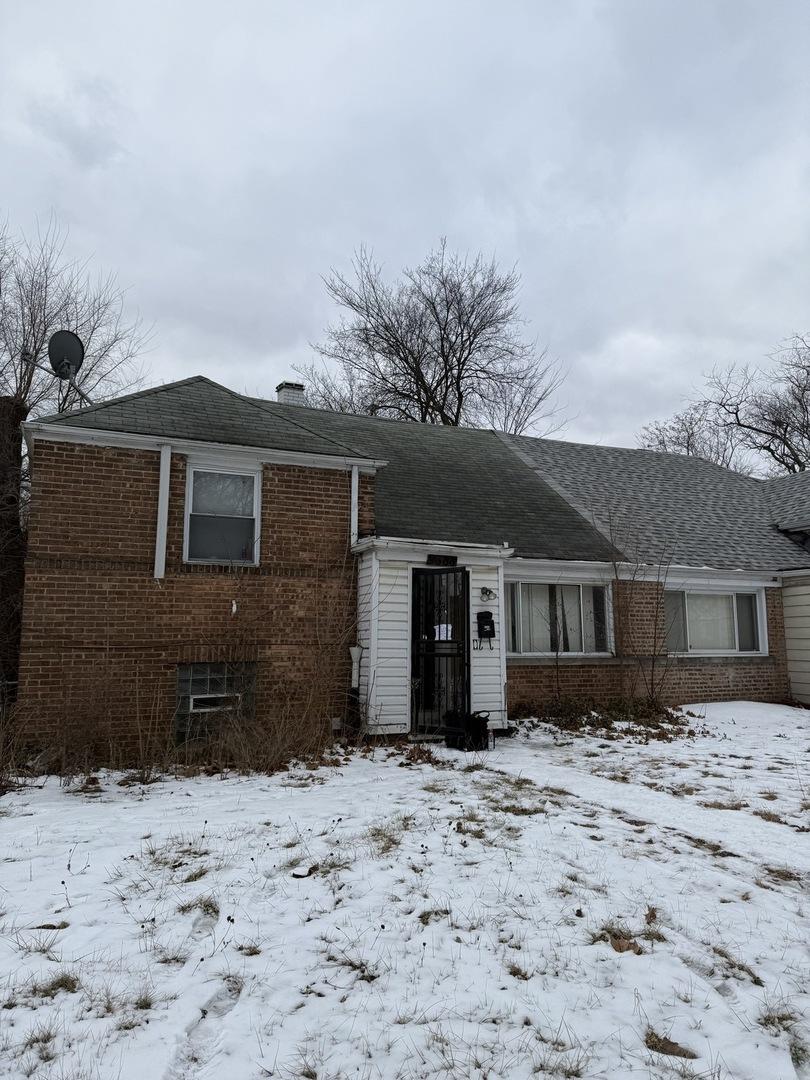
{"x": 406, "y": 544}
{"x": 34, "y": 430}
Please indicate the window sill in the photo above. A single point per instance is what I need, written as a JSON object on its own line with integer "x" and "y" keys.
{"x": 223, "y": 563}
{"x": 569, "y": 659}
{"x": 717, "y": 656}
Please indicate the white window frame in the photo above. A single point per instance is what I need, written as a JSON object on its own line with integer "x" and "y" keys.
{"x": 732, "y": 591}
{"x": 230, "y": 470}
{"x": 520, "y": 582}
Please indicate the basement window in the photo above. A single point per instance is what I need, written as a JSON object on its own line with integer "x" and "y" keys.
{"x": 549, "y": 620}
{"x": 222, "y": 517}
{"x": 709, "y": 623}
{"x": 210, "y": 694}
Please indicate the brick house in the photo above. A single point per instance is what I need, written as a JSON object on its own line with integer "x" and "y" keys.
{"x": 190, "y": 547}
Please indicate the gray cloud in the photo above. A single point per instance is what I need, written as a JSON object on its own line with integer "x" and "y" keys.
{"x": 647, "y": 165}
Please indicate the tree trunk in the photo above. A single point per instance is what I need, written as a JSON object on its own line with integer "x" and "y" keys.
{"x": 12, "y": 545}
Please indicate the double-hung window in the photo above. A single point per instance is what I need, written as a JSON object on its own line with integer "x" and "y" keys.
{"x": 713, "y": 622}
{"x": 556, "y": 619}
{"x": 222, "y": 516}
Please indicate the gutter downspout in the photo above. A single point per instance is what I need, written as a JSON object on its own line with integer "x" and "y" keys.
{"x": 353, "y": 713}
{"x": 354, "y": 526}
{"x": 162, "y": 511}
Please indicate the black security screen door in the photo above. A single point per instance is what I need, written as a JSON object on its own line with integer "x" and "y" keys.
{"x": 439, "y": 648}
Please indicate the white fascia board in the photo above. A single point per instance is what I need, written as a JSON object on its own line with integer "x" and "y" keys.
{"x": 554, "y": 570}
{"x": 707, "y": 577}
{"x": 257, "y": 455}
{"x": 407, "y": 549}
{"x": 673, "y": 577}
{"x": 795, "y": 573}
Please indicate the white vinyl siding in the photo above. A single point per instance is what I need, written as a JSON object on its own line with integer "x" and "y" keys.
{"x": 384, "y": 631}
{"x": 365, "y": 602}
{"x": 486, "y": 671}
{"x": 796, "y": 601}
{"x": 391, "y": 679}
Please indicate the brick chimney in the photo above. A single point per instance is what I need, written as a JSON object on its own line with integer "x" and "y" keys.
{"x": 290, "y": 393}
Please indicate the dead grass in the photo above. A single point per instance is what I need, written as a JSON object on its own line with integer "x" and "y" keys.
{"x": 778, "y": 1015}
{"x": 206, "y": 905}
{"x": 387, "y": 836}
{"x": 518, "y": 809}
{"x": 195, "y": 875}
{"x": 518, "y": 972}
{"x": 783, "y": 873}
{"x": 661, "y": 1044}
{"x": 144, "y": 1000}
{"x": 430, "y": 915}
{"x": 66, "y": 982}
{"x": 249, "y": 948}
{"x": 735, "y": 966}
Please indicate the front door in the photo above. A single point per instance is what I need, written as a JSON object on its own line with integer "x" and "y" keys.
{"x": 440, "y": 681}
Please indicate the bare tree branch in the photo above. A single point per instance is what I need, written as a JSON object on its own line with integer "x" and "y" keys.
{"x": 41, "y": 291}
{"x": 698, "y": 431}
{"x": 754, "y": 421}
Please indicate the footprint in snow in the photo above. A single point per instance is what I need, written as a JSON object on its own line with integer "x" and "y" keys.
{"x": 196, "y": 1054}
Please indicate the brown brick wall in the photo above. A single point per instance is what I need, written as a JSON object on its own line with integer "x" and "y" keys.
{"x": 102, "y": 638}
{"x": 639, "y": 631}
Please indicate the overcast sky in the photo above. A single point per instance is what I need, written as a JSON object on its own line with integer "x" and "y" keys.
{"x": 645, "y": 162}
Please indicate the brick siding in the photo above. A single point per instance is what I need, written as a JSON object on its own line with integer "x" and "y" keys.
{"x": 102, "y": 639}
{"x": 639, "y": 632}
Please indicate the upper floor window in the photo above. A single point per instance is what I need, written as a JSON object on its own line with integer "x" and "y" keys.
{"x": 713, "y": 622}
{"x": 222, "y": 514}
{"x": 552, "y": 619}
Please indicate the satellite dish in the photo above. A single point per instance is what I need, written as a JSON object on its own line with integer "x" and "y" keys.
{"x": 66, "y": 353}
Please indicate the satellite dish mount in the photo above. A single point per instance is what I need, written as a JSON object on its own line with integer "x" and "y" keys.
{"x": 66, "y": 355}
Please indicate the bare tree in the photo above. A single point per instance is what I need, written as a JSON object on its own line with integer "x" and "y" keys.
{"x": 442, "y": 345}
{"x": 769, "y": 411}
{"x": 41, "y": 291}
{"x": 752, "y": 420}
{"x": 697, "y": 431}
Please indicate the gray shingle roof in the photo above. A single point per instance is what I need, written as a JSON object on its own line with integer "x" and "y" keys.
{"x": 789, "y": 500}
{"x": 444, "y": 483}
{"x": 202, "y": 410}
{"x": 545, "y": 498}
{"x": 666, "y": 507}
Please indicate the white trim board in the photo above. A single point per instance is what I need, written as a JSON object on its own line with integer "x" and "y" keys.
{"x": 673, "y": 577}
{"x": 406, "y": 549}
{"x": 258, "y": 455}
{"x": 163, "y": 510}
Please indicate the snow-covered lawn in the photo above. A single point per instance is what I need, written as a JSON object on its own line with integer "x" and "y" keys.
{"x": 561, "y": 906}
